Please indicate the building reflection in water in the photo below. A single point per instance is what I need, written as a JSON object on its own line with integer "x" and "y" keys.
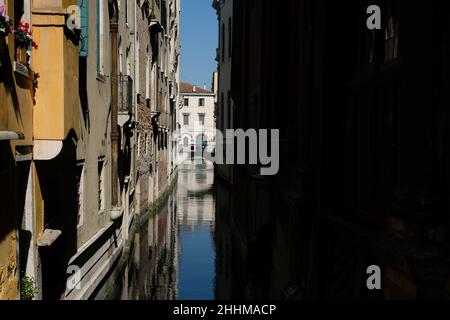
{"x": 196, "y": 224}
{"x": 151, "y": 269}
{"x": 172, "y": 255}
{"x": 243, "y": 266}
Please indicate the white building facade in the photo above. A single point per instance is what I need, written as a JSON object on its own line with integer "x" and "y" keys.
{"x": 196, "y": 121}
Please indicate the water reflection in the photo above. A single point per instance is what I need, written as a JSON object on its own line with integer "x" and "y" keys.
{"x": 151, "y": 272}
{"x": 172, "y": 255}
{"x": 196, "y": 220}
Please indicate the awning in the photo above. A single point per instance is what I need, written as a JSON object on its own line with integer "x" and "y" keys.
{"x": 11, "y": 135}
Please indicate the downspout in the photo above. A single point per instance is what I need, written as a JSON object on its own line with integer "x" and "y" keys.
{"x": 116, "y": 211}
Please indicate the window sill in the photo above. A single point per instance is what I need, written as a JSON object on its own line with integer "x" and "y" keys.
{"x": 101, "y": 77}
{"x": 124, "y": 113}
{"x": 23, "y": 70}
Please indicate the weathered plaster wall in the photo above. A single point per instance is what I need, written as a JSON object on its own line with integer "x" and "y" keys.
{"x": 95, "y": 140}
{"x": 57, "y": 107}
{"x": 145, "y": 158}
{"x": 16, "y": 108}
{"x": 8, "y": 230}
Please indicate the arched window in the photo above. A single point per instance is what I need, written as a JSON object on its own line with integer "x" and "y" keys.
{"x": 202, "y": 142}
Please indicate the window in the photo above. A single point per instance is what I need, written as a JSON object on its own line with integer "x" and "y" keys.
{"x": 159, "y": 139}
{"x": 137, "y": 66}
{"x": 22, "y": 12}
{"x": 138, "y": 144}
{"x": 223, "y": 43}
{"x": 201, "y": 102}
{"x": 147, "y": 76}
{"x": 222, "y": 112}
{"x": 229, "y": 109}
{"x": 81, "y": 175}
{"x": 230, "y": 37}
{"x": 126, "y": 11}
{"x": 24, "y": 7}
{"x": 391, "y": 38}
{"x": 146, "y": 143}
{"x": 128, "y": 62}
{"x": 166, "y": 139}
{"x": 186, "y": 119}
{"x": 186, "y": 141}
{"x": 201, "y": 119}
{"x": 150, "y": 144}
{"x": 101, "y": 186}
{"x": 100, "y": 35}
{"x": 120, "y": 58}
{"x": 202, "y": 142}
{"x": 186, "y": 102}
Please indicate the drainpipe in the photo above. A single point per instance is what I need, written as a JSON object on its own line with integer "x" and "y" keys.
{"x": 116, "y": 211}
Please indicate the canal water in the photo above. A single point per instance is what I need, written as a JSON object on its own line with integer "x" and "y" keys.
{"x": 172, "y": 255}
{"x": 195, "y": 223}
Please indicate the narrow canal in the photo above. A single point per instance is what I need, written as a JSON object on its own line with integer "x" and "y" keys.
{"x": 195, "y": 222}
{"x": 172, "y": 255}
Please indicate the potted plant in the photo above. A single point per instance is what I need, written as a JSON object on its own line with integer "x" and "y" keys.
{"x": 5, "y": 22}
{"x": 24, "y": 41}
{"x": 28, "y": 287}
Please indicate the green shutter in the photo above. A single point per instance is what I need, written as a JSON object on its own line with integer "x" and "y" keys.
{"x": 84, "y": 17}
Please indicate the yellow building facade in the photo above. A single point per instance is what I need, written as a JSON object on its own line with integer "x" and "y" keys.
{"x": 16, "y": 139}
{"x": 69, "y": 119}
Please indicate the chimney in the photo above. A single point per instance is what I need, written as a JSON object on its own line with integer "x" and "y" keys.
{"x": 194, "y": 89}
{"x": 204, "y": 86}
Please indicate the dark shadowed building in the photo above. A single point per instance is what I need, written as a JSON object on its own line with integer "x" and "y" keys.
{"x": 364, "y": 168}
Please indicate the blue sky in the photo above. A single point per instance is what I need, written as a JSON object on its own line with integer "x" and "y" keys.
{"x": 198, "y": 41}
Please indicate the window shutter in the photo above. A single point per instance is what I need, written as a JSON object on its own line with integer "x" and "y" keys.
{"x": 84, "y": 18}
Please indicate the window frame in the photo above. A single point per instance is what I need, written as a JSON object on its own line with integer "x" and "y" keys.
{"x": 101, "y": 186}
{"x": 391, "y": 38}
{"x": 202, "y": 116}
{"x": 186, "y": 116}
{"x": 100, "y": 37}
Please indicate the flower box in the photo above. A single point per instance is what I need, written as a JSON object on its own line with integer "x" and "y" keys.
{"x": 24, "y": 37}
{"x": 5, "y": 22}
